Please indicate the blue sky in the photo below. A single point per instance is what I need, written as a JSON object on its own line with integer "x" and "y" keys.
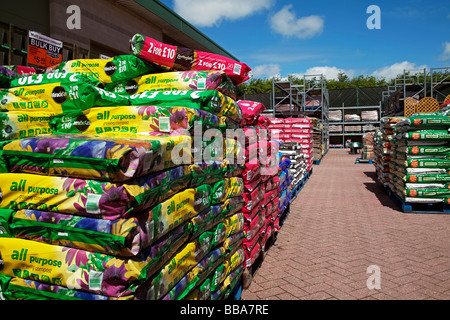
{"x": 309, "y": 37}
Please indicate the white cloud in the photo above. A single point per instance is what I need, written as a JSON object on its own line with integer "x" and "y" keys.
{"x": 392, "y": 71}
{"x": 285, "y": 22}
{"x": 329, "y": 73}
{"x": 446, "y": 54}
{"x": 266, "y": 70}
{"x": 208, "y": 13}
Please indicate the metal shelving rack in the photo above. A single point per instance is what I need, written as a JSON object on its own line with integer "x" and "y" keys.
{"x": 309, "y": 99}
{"x": 415, "y": 83}
{"x": 344, "y": 134}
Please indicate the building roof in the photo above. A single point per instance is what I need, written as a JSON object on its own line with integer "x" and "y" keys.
{"x": 174, "y": 25}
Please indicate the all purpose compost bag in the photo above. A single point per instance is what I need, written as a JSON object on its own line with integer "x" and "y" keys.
{"x": 49, "y": 78}
{"x": 210, "y": 100}
{"x": 135, "y": 120}
{"x": 210, "y": 266}
{"x": 80, "y": 269}
{"x": 90, "y": 198}
{"x": 13, "y": 288}
{"x": 92, "y": 157}
{"x": 119, "y": 237}
{"x": 118, "y": 68}
{"x": 189, "y": 255}
{"x": 58, "y": 97}
{"x": 179, "y": 58}
{"x": 17, "y": 124}
{"x": 178, "y": 80}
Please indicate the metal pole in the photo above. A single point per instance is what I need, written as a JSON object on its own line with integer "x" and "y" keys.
{"x": 273, "y": 97}
{"x": 404, "y": 87}
{"x": 424, "y": 82}
{"x": 431, "y": 82}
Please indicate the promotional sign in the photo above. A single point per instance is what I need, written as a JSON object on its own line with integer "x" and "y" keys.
{"x": 43, "y": 51}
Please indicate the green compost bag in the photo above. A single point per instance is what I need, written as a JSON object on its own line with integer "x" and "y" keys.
{"x": 425, "y": 163}
{"x": 210, "y": 100}
{"x": 115, "y": 69}
{"x": 425, "y": 120}
{"x": 178, "y": 80}
{"x": 57, "y": 77}
{"x": 425, "y": 193}
{"x": 428, "y": 135}
{"x": 427, "y": 178}
{"x": 57, "y": 97}
{"x": 424, "y": 150}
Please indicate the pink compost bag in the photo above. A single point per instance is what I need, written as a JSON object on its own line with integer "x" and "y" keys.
{"x": 276, "y": 121}
{"x": 251, "y": 172}
{"x": 180, "y": 58}
{"x": 250, "y": 214}
{"x": 250, "y": 111}
{"x": 263, "y": 121}
{"x": 251, "y": 256}
{"x": 297, "y": 120}
{"x": 251, "y": 228}
{"x": 251, "y": 135}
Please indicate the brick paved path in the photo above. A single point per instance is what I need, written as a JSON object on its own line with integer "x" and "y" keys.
{"x": 341, "y": 223}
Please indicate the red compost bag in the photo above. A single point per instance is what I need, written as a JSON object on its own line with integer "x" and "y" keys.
{"x": 180, "y": 58}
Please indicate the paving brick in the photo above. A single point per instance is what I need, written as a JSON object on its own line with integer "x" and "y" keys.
{"x": 342, "y": 222}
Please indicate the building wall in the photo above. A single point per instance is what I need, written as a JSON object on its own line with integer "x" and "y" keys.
{"x": 103, "y": 24}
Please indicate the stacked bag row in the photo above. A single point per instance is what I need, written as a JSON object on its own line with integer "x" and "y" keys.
{"x": 368, "y": 146}
{"x": 297, "y": 130}
{"x": 420, "y": 159}
{"x": 383, "y": 142}
{"x": 317, "y": 133}
{"x": 105, "y": 193}
{"x": 298, "y": 167}
{"x": 261, "y": 183}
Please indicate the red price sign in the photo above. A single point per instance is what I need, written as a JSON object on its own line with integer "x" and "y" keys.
{"x": 43, "y": 51}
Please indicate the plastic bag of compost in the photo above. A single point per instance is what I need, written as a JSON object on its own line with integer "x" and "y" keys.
{"x": 179, "y": 58}
{"x": 178, "y": 80}
{"x": 118, "y": 68}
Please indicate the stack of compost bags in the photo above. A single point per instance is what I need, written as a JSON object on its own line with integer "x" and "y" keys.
{"x": 260, "y": 182}
{"x": 382, "y": 148}
{"x": 368, "y": 145}
{"x": 420, "y": 159}
{"x": 298, "y": 164}
{"x": 113, "y": 198}
{"x": 298, "y": 131}
{"x": 317, "y": 132}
